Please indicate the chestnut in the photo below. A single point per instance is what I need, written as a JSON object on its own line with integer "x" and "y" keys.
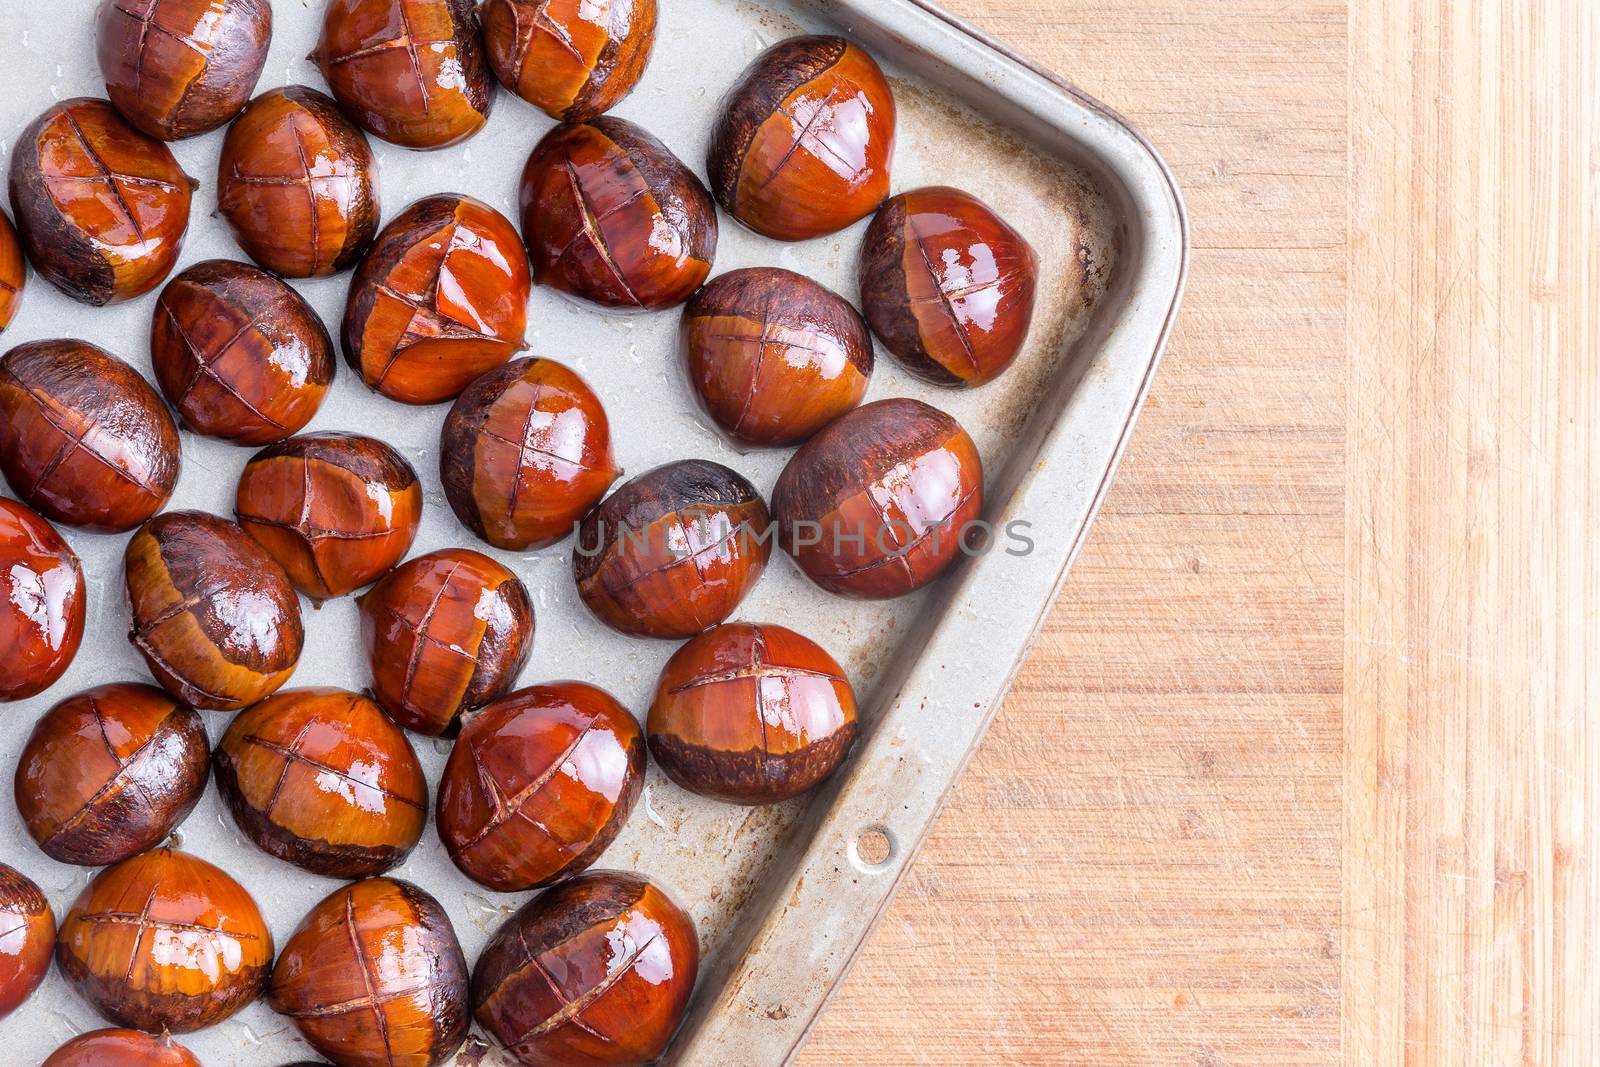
{"x": 165, "y": 941}
{"x": 176, "y": 68}
{"x": 214, "y": 616}
{"x": 610, "y": 215}
{"x": 240, "y": 354}
{"x": 41, "y": 603}
{"x": 525, "y": 453}
{"x": 13, "y": 272}
{"x": 110, "y": 772}
{"x": 803, "y": 145}
{"x": 539, "y": 784}
{"x": 674, "y": 551}
{"x": 27, "y": 938}
{"x": 409, "y": 71}
{"x": 596, "y": 971}
{"x": 121, "y": 1048}
{"x": 336, "y": 510}
{"x": 774, "y": 357}
{"x": 441, "y": 298}
{"x": 879, "y": 503}
{"x": 445, "y": 633}
{"x": 374, "y": 977}
{"x": 102, "y": 208}
{"x": 298, "y": 184}
{"x": 572, "y": 60}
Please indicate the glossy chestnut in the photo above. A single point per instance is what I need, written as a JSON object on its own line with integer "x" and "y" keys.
{"x": 572, "y": 59}
{"x": 214, "y": 616}
{"x": 121, "y": 1048}
{"x": 374, "y": 977}
{"x": 805, "y": 140}
{"x": 13, "y": 272}
{"x": 445, "y": 633}
{"x": 27, "y": 938}
{"x": 441, "y": 298}
{"x": 525, "y": 453}
{"x": 240, "y": 354}
{"x": 297, "y": 183}
{"x": 111, "y": 772}
{"x": 774, "y": 357}
{"x": 176, "y": 68}
{"x": 336, "y": 510}
{"x": 41, "y": 603}
{"x": 610, "y": 215}
{"x": 539, "y": 784}
{"x": 165, "y": 941}
{"x": 102, "y": 208}
{"x": 879, "y": 503}
{"x": 674, "y": 551}
{"x": 595, "y": 971}
{"x": 322, "y": 779}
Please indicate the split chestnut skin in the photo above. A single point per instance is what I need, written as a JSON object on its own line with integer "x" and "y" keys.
{"x": 572, "y": 59}
{"x": 27, "y": 938}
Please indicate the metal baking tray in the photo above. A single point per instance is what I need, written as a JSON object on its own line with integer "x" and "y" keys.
{"x": 783, "y": 896}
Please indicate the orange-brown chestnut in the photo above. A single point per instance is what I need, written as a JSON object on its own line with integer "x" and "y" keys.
{"x": 13, "y": 271}
{"x": 774, "y": 357}
{"x": 445, "y": 633}
{"x": 165, "y": 941}
{"x": 214, "y": 616}
{"x": 573, "y": 59}
{"x": 879, "y": 503}
{"x": 121, "y": 1048}
{"x": 610, "y": 215}
{"x": 539, "y": 784}
{"x": 336, "y": 510}
{"x": 805, "y": 140}
{"x": 596, "y": 971}
{"x": 41, "y": 603}
{"x": 27, "y": 938}
{"x": 322, "y": 779}
{"x": 525, "y": 453}
{"x": 110, "y": 772}
{"x": 441, "y": 298}
{"x": 175, "y": 68}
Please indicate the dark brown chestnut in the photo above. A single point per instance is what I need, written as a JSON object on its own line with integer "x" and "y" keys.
{"x": 880, "y": 502}
{"x": 121, "y": 1048}
{"x": 441, "y": 298}
{"x": 805, "y": 140}
{"x": 539, "y": 784}
{"x": 610, "y": 215}
{"x": 111, "y": 772}
{"x": 336, "y": 510}
{"x": 297, "y": 183}
{"x": 674, "y": 551}
{"x": 214, "y": 616}
{"x": 774, "y": 357}
{"x": 321, "y": 778}
{"x": 41, "y": 603}
{"x": 572, "y": 59}
{"x": 13, "y": 272}
{"x": 27, "y": 938}
{"x": 445, "y": 633}
{"x": 241, "y": 355}
{"x": 165, "y": 941}
{"x": 597, "y": 971}
{"x": 525, "y": 453}
{"x": 374, "y": 977}
{"x": 175, "y": 68}
{"x": 102, "y": 208}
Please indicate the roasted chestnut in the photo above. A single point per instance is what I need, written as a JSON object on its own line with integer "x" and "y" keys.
{"x": 41, "y": 603}
{"x": 805, "y": 140}
{"x": 214, "y": 616}
{"x": 121, "y": 1048}
{"x": 374, "y": 977}
{"x": 103, "y": 209}
{"x": 674, "y": 551}
{"x": 445, "y": 633}
{"x": 110, "y": 772}
{"x": 773, "y": 356}
{"x": 175, "y": 68}
{"x": 610, "y": 215}
{"x": 241, "y": 355}
{"x": 297, "y": 183}
{"x": 27, "y": 938}
{"x": 572, "y": 59}
{"x": 13, "y": 272}
{"x": 539, "y": 784}
{"x": 165, "y": 941}
{"x": 525, "y": 453}
{"x": 597, "y": 971}
{"x": 880, "y": 502}
{"x": 336, "y": 510}
{"x": 409, "y": 71}
{"x": 441, "y": 298}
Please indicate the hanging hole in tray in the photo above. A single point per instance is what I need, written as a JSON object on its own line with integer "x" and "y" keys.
{"x": 873, "y": 849}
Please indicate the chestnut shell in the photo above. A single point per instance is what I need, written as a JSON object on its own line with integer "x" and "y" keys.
{"x": 121, "y": 1048}
{"x": 13, "y": 272}
{"x": 572, "y": 59}
{"x": 41, "y": 603}
{"x": 27, "y": 938}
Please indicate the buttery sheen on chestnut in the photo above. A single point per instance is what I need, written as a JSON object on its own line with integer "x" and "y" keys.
{"x": 121, "y": 1048}
{"x": 27, "y": 938}
{"x": 39, "y": 635}
{"x": 572, "y": 59}
{"x": 13, "y": 272}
